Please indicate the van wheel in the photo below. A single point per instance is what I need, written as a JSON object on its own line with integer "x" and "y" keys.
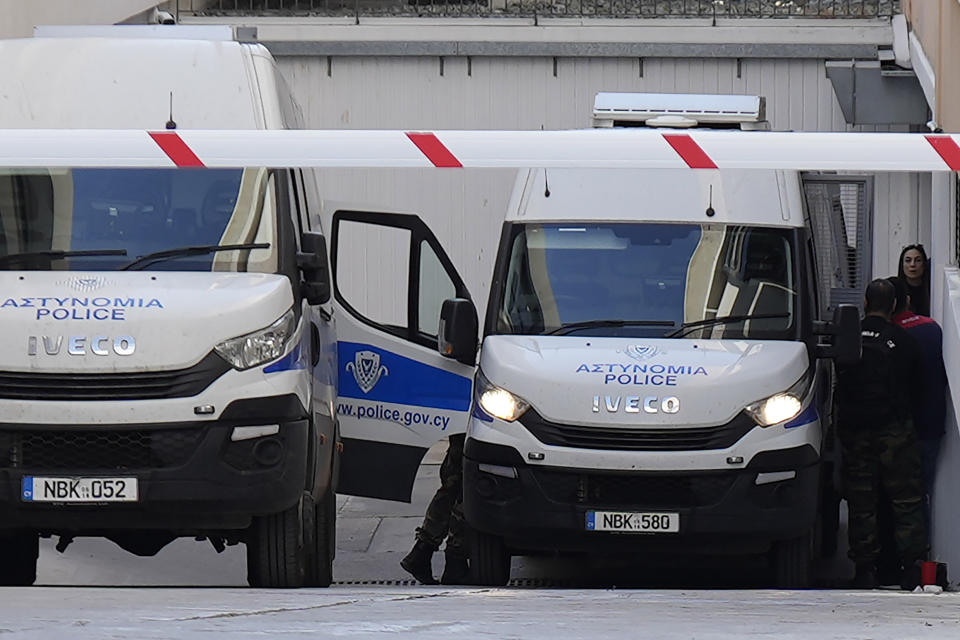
{"x": 18, "y": 559}
{"x": 276, "y": 557}
{"x": 489, "y": 560}
{"x": 790, "y": 560}
{"x": 320, "y": 534}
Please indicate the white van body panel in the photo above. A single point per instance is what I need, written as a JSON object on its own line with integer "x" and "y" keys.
{"x": 754, "y": 197}
{"x": 713, "y": 379}
{"x": 175, "y": 317}
{"x": 121, "y": 83}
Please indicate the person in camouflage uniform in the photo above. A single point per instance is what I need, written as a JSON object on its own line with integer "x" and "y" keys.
{"x": 879, "y": 442}
{"x": 443, "y": 519}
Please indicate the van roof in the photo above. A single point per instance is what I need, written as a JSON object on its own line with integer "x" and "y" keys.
{"x": 753, "y": 197}
{"x": 126, "y": 83}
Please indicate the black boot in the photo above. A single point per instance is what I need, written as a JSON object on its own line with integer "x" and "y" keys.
{"x": 865, "y": 578}
{"x": 455, "y": 569}
{"x": 417, "y": 563}
{"x": 912, "y": 572}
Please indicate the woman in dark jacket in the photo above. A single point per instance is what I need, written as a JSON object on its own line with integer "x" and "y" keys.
{"x": 915, "y": 271}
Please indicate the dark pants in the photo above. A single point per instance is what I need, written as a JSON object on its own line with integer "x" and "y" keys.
{"x": 889, "y": 561}
{"x": 444, "y": 517}
{"x": 929, "y": 452}
{"x": 884, "y": 460}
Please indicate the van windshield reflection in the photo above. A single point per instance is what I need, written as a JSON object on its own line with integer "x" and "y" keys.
{"x": 648, "y": 279}
{"x": 102, "y": 219}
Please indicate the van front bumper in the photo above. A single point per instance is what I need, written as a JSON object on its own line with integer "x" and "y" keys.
{"x": 540, "y": 509}
{"x": 192, "y": 477}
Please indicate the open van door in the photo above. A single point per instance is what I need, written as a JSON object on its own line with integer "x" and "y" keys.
{"x": 397, "y": 395}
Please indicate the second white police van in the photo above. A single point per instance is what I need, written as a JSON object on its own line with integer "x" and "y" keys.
{"x": 654, "y": 373}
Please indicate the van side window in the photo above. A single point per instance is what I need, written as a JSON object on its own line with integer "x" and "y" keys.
{"x": 303, "y": 207}
{"x": 373, "y": 265}
{"x": 434, "y": 286}
{"x": 813, "y": 280}
{"x": 391, "y": 273}
{"x": 296, "y": 201}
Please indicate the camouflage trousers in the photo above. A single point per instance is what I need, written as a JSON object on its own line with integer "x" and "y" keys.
{"x": 884, "y": 460}
{"x": 444, "y": 517}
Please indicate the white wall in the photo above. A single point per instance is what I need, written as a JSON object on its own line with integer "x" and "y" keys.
{"x": 946, "y": 500}
{"x": 19, "y": 17}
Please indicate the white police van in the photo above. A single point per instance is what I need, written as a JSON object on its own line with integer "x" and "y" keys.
{"x": 169, "y": 358}
{"x": 651, "y": 375}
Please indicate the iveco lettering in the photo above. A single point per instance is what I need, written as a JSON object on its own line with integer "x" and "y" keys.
{"x": 635, "y": 404}
{"x": 169, "y": 354}
{"x": 654, "y": 367}
{"x": 81, "y": 345}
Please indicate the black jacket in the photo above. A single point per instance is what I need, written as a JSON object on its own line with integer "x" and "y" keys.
{"x": 887, "y": 384}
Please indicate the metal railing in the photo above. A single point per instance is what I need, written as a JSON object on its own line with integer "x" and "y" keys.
{"x": 846, "y": 9}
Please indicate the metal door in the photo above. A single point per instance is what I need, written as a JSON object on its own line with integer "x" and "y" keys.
{"x": 840, "y": 216}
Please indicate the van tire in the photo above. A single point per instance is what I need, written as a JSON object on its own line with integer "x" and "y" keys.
{"x": 489, "y": 560}
{"x": 320, "y": 533}
{"x": 790, "y": 560}
{"x": 18, "y": 558}
{"x": 276, "y": 556}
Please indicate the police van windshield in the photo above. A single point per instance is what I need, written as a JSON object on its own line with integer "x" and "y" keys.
{"x": 648, "y": 280}
{"x": 129, "y": 213}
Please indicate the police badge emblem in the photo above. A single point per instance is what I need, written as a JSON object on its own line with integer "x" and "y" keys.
{"x": 366, "y": 369}
{"x": 85, "y": 283}
{"x": 641, "y": 351}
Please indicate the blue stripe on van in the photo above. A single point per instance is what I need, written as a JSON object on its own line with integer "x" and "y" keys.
{"x": 806, "y": 417}
{"x": 384, "y": 376}
{"x": 288, "y": 362}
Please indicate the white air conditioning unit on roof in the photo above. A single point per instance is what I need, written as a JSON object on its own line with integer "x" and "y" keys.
{"x": 679, "y": 110}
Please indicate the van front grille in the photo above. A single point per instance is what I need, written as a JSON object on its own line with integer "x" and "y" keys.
{"x": 634, "y": 490}
{"x": 637, "y": 438}
{"x": 182, "y": 383}
{"x": 100, "y": 450}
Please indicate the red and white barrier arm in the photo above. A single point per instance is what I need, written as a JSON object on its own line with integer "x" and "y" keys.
{"x": 596, "y": 148}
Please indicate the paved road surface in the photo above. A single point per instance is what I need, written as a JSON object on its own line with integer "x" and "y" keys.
{"x": 96, "y": 590}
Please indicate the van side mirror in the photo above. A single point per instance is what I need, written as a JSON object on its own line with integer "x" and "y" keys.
{"x": 457, "y": 336}
{"x": 844, "y": 330}
{"x": 312, "y": 261}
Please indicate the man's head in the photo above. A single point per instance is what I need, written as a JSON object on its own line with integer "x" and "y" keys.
{"x": 879, "y": 298}
{"x": 901, "y": 293}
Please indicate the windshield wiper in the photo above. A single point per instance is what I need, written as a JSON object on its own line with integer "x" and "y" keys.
{"x": 589, "y": 324}
{"x": 55, "y": 254}
{"x": 707, "y": 322}
{"x": 201, "y": 250}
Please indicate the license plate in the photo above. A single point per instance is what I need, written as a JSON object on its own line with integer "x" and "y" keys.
{"x": 629, "y": 522}
{"x": 47, "y": 489}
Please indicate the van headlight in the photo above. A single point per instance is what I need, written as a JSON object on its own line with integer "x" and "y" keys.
{"x": 259, "y": 347}
{"x": 782, "y": 406}
{"x": 496, "y": 401}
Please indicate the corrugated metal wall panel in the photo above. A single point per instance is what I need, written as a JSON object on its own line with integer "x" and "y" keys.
{"x": 529, "y": 93}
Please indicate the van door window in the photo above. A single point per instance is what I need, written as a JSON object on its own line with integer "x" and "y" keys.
{"x": 372, "y": 266}
{"x": 391, "y": 273}
{"x": 434, "y": 286}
